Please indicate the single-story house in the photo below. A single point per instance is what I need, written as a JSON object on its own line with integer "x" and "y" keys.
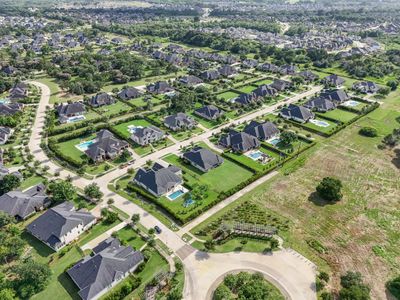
{"x": 105, "y": 146}
{"x": 190, "y": 80}
{"x": 209, "y": 112}
{"x": 227, "y": 71}
{"x": 210, "y": 75}
{"x": 110, "y": 263}
{"x": 281, "y": 85}
{"x": 308, "y": 76}
{"x": 60, "y": 225}
{"x": 129, "y": 93}
{"x": 333, "y": 80}
{"x": 366, "y": 87}
{"x": 179, "y": 121}
{"x": 296, "y": 113}
{"x": 159, "y": 180}
{"x": 21, "y": 205}
{"x": 320, "y": 104}
{"x": 202, "y": 158}
{"x": 101, "y": 99}
{"x": 336, "y": 96}
{"x": 160, "y": 87}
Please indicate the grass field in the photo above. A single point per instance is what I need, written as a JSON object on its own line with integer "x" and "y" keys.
{"x": 261, "y": 82}
{"x": 228, "y": 95}
{"x": 122, "y": 128}
{"x": 247, "y": 88}
{"x": 359, "y": 233}
{"x": 140, "y": 102}
{"x": 69, "y": 147}
{"x": 108, "y": 110}
{"x": 340, "y": 115}
{"x": 130, "y": 237}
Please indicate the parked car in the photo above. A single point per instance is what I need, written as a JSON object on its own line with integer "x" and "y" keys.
{"x": 157, "y": 229}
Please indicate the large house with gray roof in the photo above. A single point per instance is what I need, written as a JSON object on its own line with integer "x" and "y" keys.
{"x": 262, "y": 131}
{"x": 101, "y": 99}
{"x": 68, "y": 110}
{"x": 160, "y": 87}
{"x": 129, "y": 93}
{"x": 320, "y": 104}
{"x": 296, "y": 113}
{"x": 333, "y": 80}
{"x": 10, "y": 109}
{"x": 159, "y": 180}
{"x": 336, "y": 96}
{"x": 209, "y": 112}
{"x": 105, "y": 146}
{"x": 21, "y": 205}
{"x": 239, "y": 141}
{"x": 60, "y": 225}
{"x": 19, "y": 91}
{"x": 5, "y": 134}
{"x": 110, "y": 264}
{"x": 366, "y": 87}
{"x": 202, "y": 158}
{"x": 179, "y": 121}
{"x": 147, "y": 135}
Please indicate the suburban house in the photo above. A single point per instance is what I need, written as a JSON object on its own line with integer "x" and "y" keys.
{"x": 147, "y": 135}
{"x": 68, "y": 110}
{"x": 105, "y": 146}
{"x": 308, "y": 76}
{"x": 245, "y": 99}
{"x": 190, "y": 80}
{"x": 202, "y": 159}
{"x": 110, "y": 263}
{"x": 281, "y": 85}
{"x": 227, "y": 71}
{"x": 320, "y": 104}
{"x": 333, "y": 80}
{"x": 9, "y": 109}
{"x": 5, "y": 133}
{"x": 5, "y": 171}
{"x": 267, "y": 67}
{"x": 296, "y": 113}
{"x": 179, "y": 121}
{"x": 160, "y": 87}
{"x": 129, "y": 93}
{"x": 366, "y": 87}
{"x": 101, "y": 99}
{"x": 265, "y": 91}
{"x": 287, "y": 70}
{"x": 239, "y": 141}
{"x": 249, "y": 63}
{"x": 262, "y": 131}
{"x": 209, "y": 112}
{"x": 60, "y": 225}
{"x": 19, "y": 91}
{"x": 21, "y": 205}
{"x": 210, "y": 75}
{"x": 159, "y": 180}
{"x": 336, "y": 96}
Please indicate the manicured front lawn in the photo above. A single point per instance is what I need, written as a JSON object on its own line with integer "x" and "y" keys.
{"x": 228, "y": 95}
{"x": 30, "y": 181}
{"x": 141, "y": 102}
{"x": 261, "y": 82}
{"x": 340, "y": 115}
{"x": 130, "y": 237}
{"x": 95, "y": 231}
{"x": 183, "y": 135}
{"x": 222, "y": 178}
{"x": 235, "y": 245}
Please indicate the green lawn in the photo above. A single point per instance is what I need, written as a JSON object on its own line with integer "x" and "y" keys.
{"x": 262, "y": 82}
{"x": 231, "y": 173}
{"x": 327, "y": 129}
{"x": 140, "y": 102}
{"x": 247, "y": 89}
{"x": 183, "y": 135}
{"x": 108, "y": 110}
{"x": 228, "y": 95}
{"x": 122, "y": 128}
{"x": 89, "y": 115}
{"x": 30, "y": 181}
{"x": 340, "y": 115}
{"x": 95, "y": 231}
{"x": 235, "y": 245}
{"x": 130, "y": 237}
{"x": 69, "y": 147}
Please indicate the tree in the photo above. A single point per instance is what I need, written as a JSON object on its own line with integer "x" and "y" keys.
{"x": 93, "y": 192}
{"x": 384, "y": 91}
{"x": 330, "y": 189}
{"x": 30, "y": 278}
{"x": 9, "y": 183}
{"x": 135, "y": 218}
{"x": 62, "y": 191}
{"x": 5, "y": 219}
{"x": 368, "y": 131}
{"x": 287, "y": 138}
{"x": 109, "y": 216}
{"x": 7, "y": 294}
{"x": 353, "y": 287}
{"x": 392, "y": 84}
{"x": 125, "y": 155}
{"x": 393, "y": 286}
{"x": 222, "y": 293}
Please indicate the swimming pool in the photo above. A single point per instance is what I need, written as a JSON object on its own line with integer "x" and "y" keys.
{"x": 274, "y": 141}
{"x": 75, "y": 119}
{"x": 319, "y": 123}
{"x": 351, "y": 103}
{"x": 3, "y": 100}
{"x": 255, "y": 155}
{"x": 133, "y": 128}
{"x": 175, "y": 195}
{"x": 84, "y": 145}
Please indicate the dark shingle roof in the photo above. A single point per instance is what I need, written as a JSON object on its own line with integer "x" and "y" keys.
{"x": 129, "y": 93}
{"x": 262, "y": 131}
{"x": 204, "y": 158}
{"x": 111, "y": 263}
{"x": 320, "y": 103}
{"x": 106, "y": 144}
{"x": 299, "y": 112}
{"x": 239, "y": 141}
{"x": 70, "y": 108}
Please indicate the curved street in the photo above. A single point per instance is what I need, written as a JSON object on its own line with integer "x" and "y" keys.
{"x": 290, "y": 271}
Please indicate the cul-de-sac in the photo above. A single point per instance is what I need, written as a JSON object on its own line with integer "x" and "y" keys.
{"x": 200, "y": 150}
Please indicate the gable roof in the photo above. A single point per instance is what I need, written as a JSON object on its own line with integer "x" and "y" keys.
{"x": 179, "y": 120}
{"x": 129, "y": 93}
{"x": 70, "y": 108}
{"x": 105, "y": 144}
{"x": 296, "y": 111}
{"x": 8, "y": 109}
{"x": 209, "y": 111}
{"x": 57, "y": 221}
{"x": 239, "y": 141}
{"x": 204, "y": 158}
{"x": 94, "y": 274}
{"x": 262, "y": 131}
{"x": 335, "y": 95}
{"x": 320, "y": 103}
{"x": 158, "y": 179}
{"x": 334, "y": 80}
{"x": 101, "y": 99}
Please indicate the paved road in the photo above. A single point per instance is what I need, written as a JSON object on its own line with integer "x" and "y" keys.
{"x": 285, "y": 268}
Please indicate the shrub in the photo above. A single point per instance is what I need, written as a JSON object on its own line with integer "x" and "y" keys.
{"x": 368, "y": 131}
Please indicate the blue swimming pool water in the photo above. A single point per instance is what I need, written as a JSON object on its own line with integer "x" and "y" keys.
{"x": 274, "y": 141}
{"x": 76, "y": 119}
{"x": 176, "y": 194}
{"x": 352, "y": 103}
{"x": 256, "y": 155}
{"x": 320, "y": 123}
{"x": 85, "y": 145}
